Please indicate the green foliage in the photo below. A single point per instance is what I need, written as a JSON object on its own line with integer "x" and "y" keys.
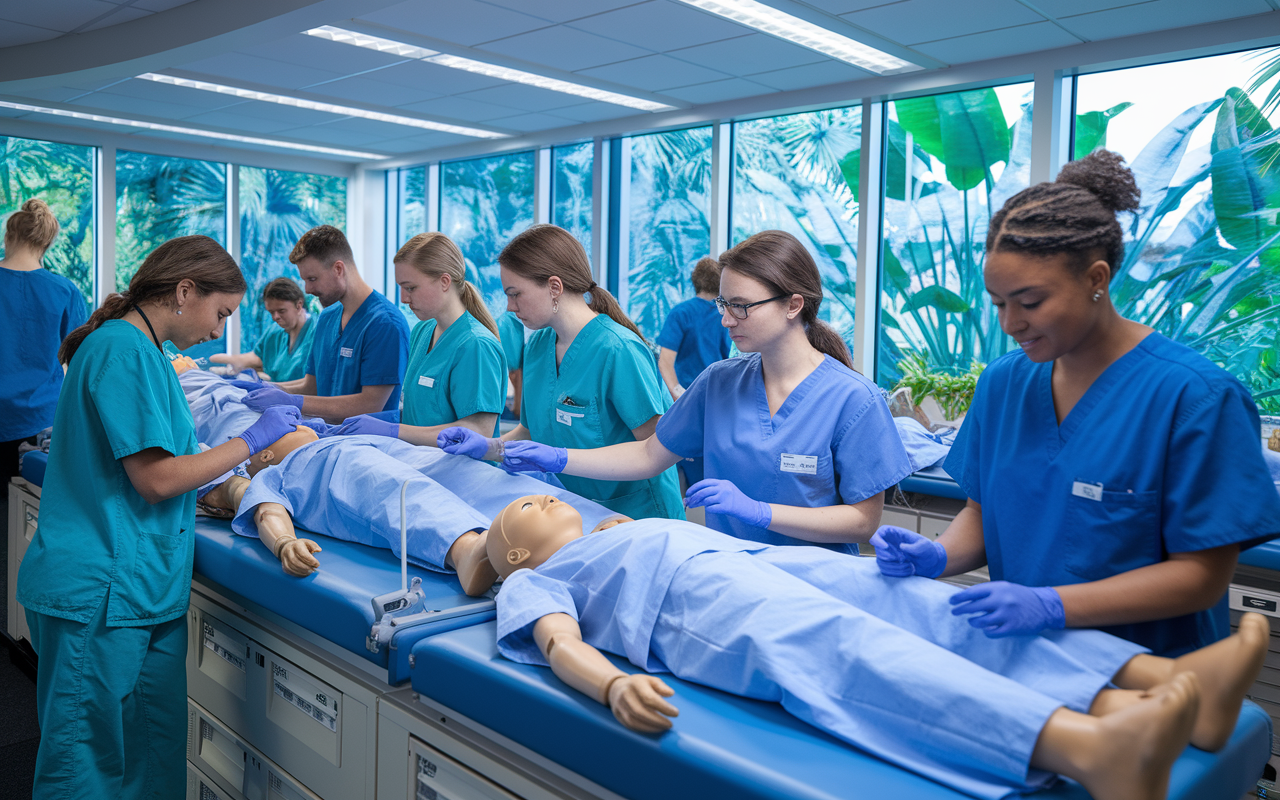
{"x": 571, "y": 190}
{"x": 966, "y": 131}
{"x": 1091, "y": 129}
{"x": 952, "y": 391}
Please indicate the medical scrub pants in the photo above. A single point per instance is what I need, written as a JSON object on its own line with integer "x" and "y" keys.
{"x": 113, "y": 708}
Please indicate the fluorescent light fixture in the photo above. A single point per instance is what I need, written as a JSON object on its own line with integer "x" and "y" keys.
{"x": 155, "y": 126}
{"x": 483, "y": 68}
{"x": 331, "y": 108}
{"x": 770, "y": 20}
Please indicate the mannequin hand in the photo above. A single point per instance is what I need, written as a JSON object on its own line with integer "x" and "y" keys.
{"x": 264, "y": 397}
{"x": 611, "y": 522}
{"x": 365, "y": 424}
{"x": 296, "y": 558}
{"x": 322, "y": 428}
{"x": 636, "y": 701}
{"x": 275, "y": 422}
{"x": 722, "y": 497}
{"x": 534, "y": 457}
{"x": 1010, "y": 609}
{"x": 464, "y": 442}
{"x": 900, "y": 552}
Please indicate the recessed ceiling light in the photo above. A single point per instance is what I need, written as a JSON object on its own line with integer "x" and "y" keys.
{"x": 331, "y": 108}
{"x": 770, "y": 20}
{"x": 483, "y": 68}
{"x": 156, "y": 126}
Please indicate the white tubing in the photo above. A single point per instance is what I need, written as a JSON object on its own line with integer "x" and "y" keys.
{"x": 404, "y": 551}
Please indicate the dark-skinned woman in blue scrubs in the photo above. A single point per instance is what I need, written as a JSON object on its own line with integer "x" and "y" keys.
{"x": 1113, "y": 475}
{"x": 106, "y": 580}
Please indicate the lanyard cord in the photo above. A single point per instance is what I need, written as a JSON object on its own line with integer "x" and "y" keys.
{"x": 154, "y": 338}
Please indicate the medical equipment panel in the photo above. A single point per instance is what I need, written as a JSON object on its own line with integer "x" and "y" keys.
{"x": 199, "y": 787}
{"x": 238, "y": 770}
{"x": 434, "y": 775}
{"x": 24, "y": 515}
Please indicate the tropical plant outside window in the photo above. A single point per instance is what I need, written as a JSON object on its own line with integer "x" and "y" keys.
{"x": 799, "y": 173}
{"x": 484, "y": 202}
{"x": 571, "y": 167}
{"x": 276, "y": 208}
{"x": 411, "y": 220}
{"x": 62, "y": 176}
{"x": 669, "y": 226}
{"x": 1202, "y": 257}
{"x": 950, "y": 160}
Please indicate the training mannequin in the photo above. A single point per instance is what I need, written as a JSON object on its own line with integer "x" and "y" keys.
{"x": 878, "y": 662}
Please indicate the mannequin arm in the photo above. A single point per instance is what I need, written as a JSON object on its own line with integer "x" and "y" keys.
{"x": 636, "y": 700}
{"x": 227, "y": 494}
{"x": 275, "y": 529}
{"x": 469, "y": 557}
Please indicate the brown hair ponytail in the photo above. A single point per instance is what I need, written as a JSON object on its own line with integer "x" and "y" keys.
{"x": 778, "y": 260}
{"x": 542, "y": 251}
{"x": 434, "y": 254}
{"x": 196, "y": 258}
{"x": 33, "y": 227}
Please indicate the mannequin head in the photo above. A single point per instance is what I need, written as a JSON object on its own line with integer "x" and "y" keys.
{"x": 529, "y": 531}
{"x": 280, "y": 448}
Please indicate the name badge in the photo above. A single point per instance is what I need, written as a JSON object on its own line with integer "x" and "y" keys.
{"x": 802, "y": 465}
{"x": 346, "y": 352}
{"x": 566, "y": 418}
{"x": 426, "y": 381}
{"x": 1089, "y": 491}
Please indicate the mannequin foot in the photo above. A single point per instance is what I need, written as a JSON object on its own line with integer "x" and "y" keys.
{"x": 469, "y": 557}
{"x": 1226, "y": 670}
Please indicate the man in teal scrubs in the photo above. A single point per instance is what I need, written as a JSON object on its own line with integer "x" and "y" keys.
{"x": 282, "y": 352}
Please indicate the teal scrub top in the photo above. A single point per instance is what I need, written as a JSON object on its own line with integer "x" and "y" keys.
{"x": 278, "y": 361}
{"x": 465, "y": 373}
{"x": 98, "y": 538}
{"x": 606, "y": 385}
{"x": 512, "y": 333}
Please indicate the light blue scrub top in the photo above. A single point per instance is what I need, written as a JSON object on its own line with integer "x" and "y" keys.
{"x": 512, "y": 333}
{"x": 1161, "y": 455}
{"x": 693, "y": 331}
{"x": 373, "y": 350}
{"x": 281, "y": 362}
{"x": 832, "y": 441}
{"x": 98, "y": 538}
{"x": 465, "y": 373}
{"x": 606, "y": 385}
{"x": 37, "y": 311}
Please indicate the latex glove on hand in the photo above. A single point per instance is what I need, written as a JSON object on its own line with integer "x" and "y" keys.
{"x": 1010, "y": 609}
{"x": 462, "y": 441}
{"x": 527, "y": 456}
{"x": 275, "y": 422}
{"x": 264, "y": 397}
{"x": 722, "y": 497}
{"x": 637, "y": 702}
{"x": 900, "y": 553}
{"x": 247, "y": 380}
{"x": 368, "y": 426}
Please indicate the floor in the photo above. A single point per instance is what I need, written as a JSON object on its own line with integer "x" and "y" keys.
{"x": 20, "y": 733}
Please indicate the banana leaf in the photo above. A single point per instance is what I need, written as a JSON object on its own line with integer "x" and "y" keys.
{"x": 1091, "y": 129}
{"x": 966, "y": 131}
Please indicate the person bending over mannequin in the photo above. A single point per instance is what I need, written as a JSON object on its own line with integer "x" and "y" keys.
{"x": 880, "y": 655}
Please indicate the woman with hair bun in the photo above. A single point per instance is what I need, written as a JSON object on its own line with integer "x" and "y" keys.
{"x": 1113, "y": 475}
{"x": 37, "y": 311}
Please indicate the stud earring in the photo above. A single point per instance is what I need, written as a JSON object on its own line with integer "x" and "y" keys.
{"x": 180, "y": 310}
{"x": 555, "y": 306}
{"x": 1097, "y": 296}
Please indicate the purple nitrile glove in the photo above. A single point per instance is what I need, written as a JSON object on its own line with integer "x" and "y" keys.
{"x": 900, "y": 552}
{"x": 248, "y": 384}
{"x": 534, "y": 457}
{"x": 322, "y": 428}
{"x": 722, "y": 497}
{"x": 1010, "y": 609}
{"x": 262, "y": 398}
{"x": 369, "y": 426}
{"x": 275, "y": 422}
{"x": 463, "y": 441}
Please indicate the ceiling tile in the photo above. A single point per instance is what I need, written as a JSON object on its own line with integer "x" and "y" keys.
{"x": 327, "y": 134}
{"x": 424, "y": 141}
{"x": 122, "y": 15}
{"x": 364, "y": 90}
{"x": 915, "y": 21}
{"x": 168, "y": 93}
{"x": 717, "y": 91}
{"x": 1059, "y": 8}
{"x": 533, "y": 122}
{"x": 62, "y": 16}
{"x": 524, "y": 98}
{"x": 806, "y": 75}
{"x": 565, "y": 48}
{"x": 994, "y": 44}
{"x": 261, "y": 71}
{"x": 594, "y": 112}
{"x": 562, "y": 10}
{"x": 239, "y": 123}
{"x": 287, "y": 114}
{"x": 660, "y": 25}
{"x": 370, "y": 129}
{"x": 845, "y": 6}
{"x": 1158, "y": 15}
{"x": 333, "y": 56}
{"x": 159, "y": 5}
{"x": 134, "y": 106}
{"x": 466, "y": 22}
{"x": 52, "y": 94}
{"x": 459, "y": 108}
{"x": 15, "y": 33}
{"x": 654, "y": 73}
{"x": 754, "y": 53}
{"x": 432, "y": 77}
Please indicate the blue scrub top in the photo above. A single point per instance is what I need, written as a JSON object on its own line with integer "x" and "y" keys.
{"x": 512, "y": 333}
{"x": 37, "y": 311}
{"x": 694, "y": 332}
{"x": 1161, "y": 455}
{"x": 373, "y": 350}
{"x": 280, "y": 361}
{"x": 606, "y": 385}
{"x": 831, "y": 442}
{"x": 464, "y": 373}
{"x": 98, "y": 538}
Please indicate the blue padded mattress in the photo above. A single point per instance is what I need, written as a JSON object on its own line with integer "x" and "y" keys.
{"x": 932, "y": 481}
{"x": 1264, "y": 556}
{"x": 33, "y": 465}
{"x": 727, "y": 746}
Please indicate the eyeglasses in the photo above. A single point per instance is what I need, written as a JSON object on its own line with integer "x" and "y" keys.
{"x": 739, "y": 310}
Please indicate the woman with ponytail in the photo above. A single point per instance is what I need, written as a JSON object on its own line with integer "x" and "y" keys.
{"x": 106, "y": 579}
{"x": 1113, "y": 475}
{"x": 37, "y": 309}
{"x": 589, "y": 377}
{"x": 797, "y": 447}
{"x": 456, "y": 374}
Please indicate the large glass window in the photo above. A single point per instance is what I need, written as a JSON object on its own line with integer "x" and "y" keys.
{"x": 950, "y": 161}
{"x": 484, "y": 202}
{"x": 276, "y": 208}
{"x": 799, "y": 174}
{"x": 669, "y": 226}
{"x": 62, "y": 176}
{"x": 571, "y": 167}
{"x": 1202, "y": 257}
{"x": 411, "y": 204}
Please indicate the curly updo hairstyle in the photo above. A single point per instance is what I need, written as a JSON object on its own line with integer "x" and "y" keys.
{"x": 33, "y": 227}
{"x": 1074, "y": 215}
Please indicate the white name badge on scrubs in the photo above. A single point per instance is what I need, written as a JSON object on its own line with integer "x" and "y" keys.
{"x": 566, "y": 417}
{"x": 1089, "y": 491}
{"x": 346, "y": 352}
{"x": 801, "y": 465}
{"x": 426, "y": 381}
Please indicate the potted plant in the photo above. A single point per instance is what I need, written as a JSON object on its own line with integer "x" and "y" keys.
{"x": 953, "y": 393}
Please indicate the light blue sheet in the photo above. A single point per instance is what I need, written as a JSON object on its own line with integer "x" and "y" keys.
{"x": 880, "y": 663}
{"x": 216, "y": 407}
{"x": 924, "y": 447}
